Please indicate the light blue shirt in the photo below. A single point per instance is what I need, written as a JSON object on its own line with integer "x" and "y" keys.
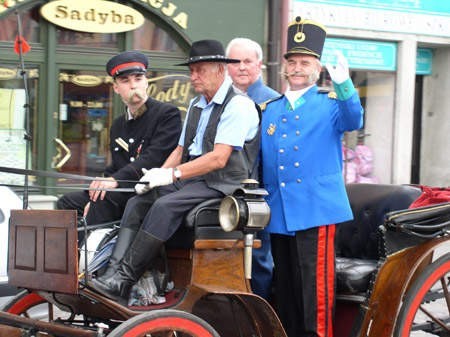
{"x": 238, "y": 123}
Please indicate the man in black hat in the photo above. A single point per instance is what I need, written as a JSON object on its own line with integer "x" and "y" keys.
{"x": 141, "y": 138}
{"x": 302, "y": 171}
{"x": 216, "y": 151}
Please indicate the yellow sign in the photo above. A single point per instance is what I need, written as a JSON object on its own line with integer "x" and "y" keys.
{"x": 86, "y": 80}
{"x": 93, "y": 16}
{"x": 7, "y": 74}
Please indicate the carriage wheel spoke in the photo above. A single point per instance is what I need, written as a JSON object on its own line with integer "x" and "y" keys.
{"x": 434, "y": 318}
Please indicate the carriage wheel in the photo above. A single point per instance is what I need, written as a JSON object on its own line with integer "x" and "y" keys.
{"x": 164, "y": 323}
{"x": 426, "y": 306}
{"x": 29, "y": 305}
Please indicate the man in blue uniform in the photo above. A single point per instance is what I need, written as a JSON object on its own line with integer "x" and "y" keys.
{"x": 302, "y": 171}
{"x": 246, "y": 76}
{"x": 217, "y": 149}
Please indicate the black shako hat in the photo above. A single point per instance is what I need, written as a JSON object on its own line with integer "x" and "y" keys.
{"x": 305, "y": 37}
{"x": 127, "y": 62}
{"x": 207, "y": 51}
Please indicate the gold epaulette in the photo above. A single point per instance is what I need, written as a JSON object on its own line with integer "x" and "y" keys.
{"x": 263, "y": 105}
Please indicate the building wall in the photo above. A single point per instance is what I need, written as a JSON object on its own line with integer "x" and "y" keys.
{"x": 430, "y": 31}
{"x": 435, "y": 146}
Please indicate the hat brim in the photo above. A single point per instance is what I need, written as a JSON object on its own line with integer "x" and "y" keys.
{"x": 130, "y": 72}
{"x": 301, "y": 52}
{"x": 208, "y": 59}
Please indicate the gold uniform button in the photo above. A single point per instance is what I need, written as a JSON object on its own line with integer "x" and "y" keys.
{"x": 299, "y": 180}
{"x": 132, "y": 159}
{"x": 297, "y": 117}
{"x": 284, "y": 120}
{"x": 282, "y": 184}
{"x": 281, "y": 167}
{"x": 296, "y": 164}
{"x": 297, "y": 133}
{"x": 281, "y": 150}
{"x": 284, "y": 135}
{"x": 295, "y": 148}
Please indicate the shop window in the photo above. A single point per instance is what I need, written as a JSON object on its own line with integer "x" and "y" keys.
{"x": 85, "y": 116}
{"x": 29, "y": 23}
{"x": 151, "y": 37}
{"x": 367, "y": 153}
{"x": 83, "y": 39}
{"x": 171, "y": 87}
{"x": 13, "y": 119}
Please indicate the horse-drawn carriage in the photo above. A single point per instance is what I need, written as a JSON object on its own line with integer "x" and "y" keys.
{"x": 393, "y": 273}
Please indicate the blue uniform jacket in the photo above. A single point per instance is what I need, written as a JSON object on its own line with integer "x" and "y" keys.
{"x": 302, "y": 158}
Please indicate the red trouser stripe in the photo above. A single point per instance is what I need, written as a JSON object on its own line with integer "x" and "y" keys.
{"x": 325, "y": 280}
{"x": 331, "y": 276}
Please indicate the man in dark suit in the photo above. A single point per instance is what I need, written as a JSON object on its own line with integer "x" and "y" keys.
{"x": 141, "y": 138}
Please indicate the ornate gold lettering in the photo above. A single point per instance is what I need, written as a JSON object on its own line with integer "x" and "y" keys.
{"x": 116, "y": 18}
{"x": 129, "y": 20}
{"x": 90, "y": 15}
{"x": 184, "y": 92}
{"x": 61, "y": 12}
{"x": 169, "y": 10}
{"x": 103, "y": 17}
{"x": 75, "y": 15}
{"x": 181, "y": 19}
{"x": 155, "y": 3}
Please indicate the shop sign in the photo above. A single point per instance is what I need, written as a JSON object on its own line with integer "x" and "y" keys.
{"x": 424, "y": 17}
{"x": 93, "y": 16}
{"x": 7, "y": 74}
{"x": 362, "y": 54}
{"x": 173, "y": 88}
{"x": 424, "y": 61}
{"x": 86, "y": 80}
{"x": 170, "y": 10}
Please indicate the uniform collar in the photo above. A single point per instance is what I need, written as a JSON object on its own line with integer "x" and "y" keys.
{"x": 139, "y": 112}
{"x": 254, "y": 87}
{"x": 293, "y": 95}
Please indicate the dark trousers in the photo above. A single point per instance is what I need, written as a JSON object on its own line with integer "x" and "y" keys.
{"x": 161, "y": 211}
{"x": 262, "y": 267}
{"x": 106, "y": 210}
{"x": 304, "y": 280}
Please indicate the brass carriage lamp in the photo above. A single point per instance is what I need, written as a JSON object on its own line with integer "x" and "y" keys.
{"x": 247, "y": 211}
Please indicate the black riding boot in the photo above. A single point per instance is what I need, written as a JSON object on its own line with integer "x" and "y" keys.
{"x": 124, "y": 240}
{"x": 144, "y": 249}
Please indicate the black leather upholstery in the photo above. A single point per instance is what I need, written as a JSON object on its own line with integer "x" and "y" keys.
{"x": 202, "y": 222}
{"x": 357, "y": 241}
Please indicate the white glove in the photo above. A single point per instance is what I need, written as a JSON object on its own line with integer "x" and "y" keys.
{"x": 141, "y": 188}
{"x": 339, "y": 73}
{"x": 157, "y": 177}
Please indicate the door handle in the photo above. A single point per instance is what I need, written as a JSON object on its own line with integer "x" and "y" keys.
{"x": 59, "y": 160}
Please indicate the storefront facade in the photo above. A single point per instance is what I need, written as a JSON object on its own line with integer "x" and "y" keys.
{"x": 399, "y": 55}
{"x": 69, "y": 98}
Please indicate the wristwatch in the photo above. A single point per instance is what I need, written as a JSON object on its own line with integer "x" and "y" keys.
{"x": 177, "y": 173}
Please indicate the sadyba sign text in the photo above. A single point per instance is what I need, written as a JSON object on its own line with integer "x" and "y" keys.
{"x": 93, "y": 16}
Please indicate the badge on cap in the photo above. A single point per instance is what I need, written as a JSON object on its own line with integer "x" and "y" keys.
{"x": 305, "y": 37}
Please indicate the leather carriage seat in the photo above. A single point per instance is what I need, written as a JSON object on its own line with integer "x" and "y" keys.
{"x": 357, "y": 241}
{"x": 202, "y": 222}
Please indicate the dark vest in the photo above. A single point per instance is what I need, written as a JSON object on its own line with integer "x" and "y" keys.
{"x": 241, "y": 164}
